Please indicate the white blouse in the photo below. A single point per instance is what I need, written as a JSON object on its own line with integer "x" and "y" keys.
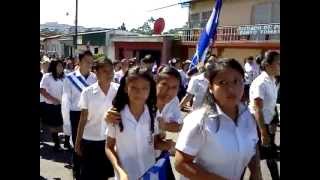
{"x": 118, "y": 75}
{"x": 218, "y": 144}
{"x": 52, "y": 86}
{"x": 198, "y": 87}
{"x": 264, "y": 87}
{"x": 251, "y": 72}
{"x": 97, "y": 103}
{"x": 134, "y": 145}
{"x": 170, "y": 113}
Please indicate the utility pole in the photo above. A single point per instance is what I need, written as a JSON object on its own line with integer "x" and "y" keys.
{"x": 76, "y": 27}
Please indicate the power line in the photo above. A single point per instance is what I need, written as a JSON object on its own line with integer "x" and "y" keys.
{"x": 181, "y": 3}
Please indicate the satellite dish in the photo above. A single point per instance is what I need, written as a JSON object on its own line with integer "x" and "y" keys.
{"x": 158, "y": 26}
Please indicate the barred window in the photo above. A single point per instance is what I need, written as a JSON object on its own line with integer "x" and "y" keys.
{"x": 205, "y": 17}
{"x": 195, "y": 20}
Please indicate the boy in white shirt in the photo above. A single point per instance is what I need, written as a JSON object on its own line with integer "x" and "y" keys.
{"x": 73, "y": 85}
{"x": 90, "y": 142}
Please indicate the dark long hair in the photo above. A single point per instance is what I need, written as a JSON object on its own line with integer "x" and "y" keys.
{"x": 53, "y": 69}
{"x": 168, "y": 70}
{"x": 212, "y": 70}
{"x": 121, "y": 98}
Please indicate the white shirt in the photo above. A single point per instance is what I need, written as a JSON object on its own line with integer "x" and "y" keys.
{"x": 97, "y": 103}
{"x": 41, "y": 97}
{"x": 251, "y": 72}
{"x": 198, "y": 86}
{"x": 71, "y": 96}
{"x": 67, "y": 71}
{"x": 52, "y": 86}
{"x": 118, "y": 75}
{"x": 170, "y": 113}
{"x": 264, "y": 87}
{"x": 184, "y": 78}
{"x": 134, "y": 145}
{"x": 225, "y": 151}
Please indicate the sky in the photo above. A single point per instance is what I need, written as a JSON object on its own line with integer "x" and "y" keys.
{"x": 111, "y": 13}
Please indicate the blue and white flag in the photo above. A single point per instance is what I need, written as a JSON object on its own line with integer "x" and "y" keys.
{"x": 159, "y": 170}
{"x": 207, "y": 34}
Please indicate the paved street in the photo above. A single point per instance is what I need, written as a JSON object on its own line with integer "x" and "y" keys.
{"x": 57, "y": 165}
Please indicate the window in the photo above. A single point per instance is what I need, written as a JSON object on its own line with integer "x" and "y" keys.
{"x": 79, "y": 40}
{"x": 205, "y": 17}
{"x": 195, "y": 20}
{"x": 264, "y": 13}
{"x": 276, "y": 12}
{"x": 96, "y": 50}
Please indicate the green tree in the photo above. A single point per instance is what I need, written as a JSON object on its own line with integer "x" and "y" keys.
{"x": 177, "y": 30}
{"x": 122, "y": 27}
{"x": 146, "y": 28}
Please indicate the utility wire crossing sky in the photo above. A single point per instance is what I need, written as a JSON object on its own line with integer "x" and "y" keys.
{"x": 112, "y": 13}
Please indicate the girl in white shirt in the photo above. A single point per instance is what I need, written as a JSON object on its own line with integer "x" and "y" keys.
{"x": 168, "y": 114}
{"x": 90, "y": 141}
{"x": 263, "y": 100}
{"x": 131, "y": 144}
{"x": 219, "y": 140}
{"x": 51, "y": 87}
{"x": 44, "y": 64}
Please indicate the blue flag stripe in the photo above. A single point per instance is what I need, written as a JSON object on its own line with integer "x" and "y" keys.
{"x": 82, "y": 81}
{"x": 206, "y": 35}
{"x": 160, "y": 170}
{"x": 74, "y": 83}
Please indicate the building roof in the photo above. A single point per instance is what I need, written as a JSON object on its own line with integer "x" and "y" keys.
{"x": 91, "y": 32}
{"x": 52, "y": 37}
{"x": 140, "y": 38}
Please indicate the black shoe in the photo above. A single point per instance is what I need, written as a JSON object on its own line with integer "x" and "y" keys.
{"x": 75, "y": 175}
{"x": 57, "y": 148}
{"x": 67, "y": 146}
{"x": 278, "y": 157}
{"x": 66, "y": 143}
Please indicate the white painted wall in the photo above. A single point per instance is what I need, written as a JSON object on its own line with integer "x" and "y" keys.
{"x": 109, "y": 50}
{"x": 54, "y": 45}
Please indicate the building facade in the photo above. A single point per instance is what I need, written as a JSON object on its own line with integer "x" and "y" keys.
{"x": 160, "y": 47}
{"x": 246, "y": 27}
{"x": 52, "y": 46}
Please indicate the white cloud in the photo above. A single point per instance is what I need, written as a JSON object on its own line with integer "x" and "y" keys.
{"x": 111, "y": 13}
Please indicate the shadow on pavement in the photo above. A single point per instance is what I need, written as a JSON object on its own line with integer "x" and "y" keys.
{"x": 42, "y": 178}
{"x": 68, "y": 166}
{"x": 46, "y": 152}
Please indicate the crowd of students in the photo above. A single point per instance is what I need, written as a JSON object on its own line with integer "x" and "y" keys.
{"x": 117, "y": 114}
